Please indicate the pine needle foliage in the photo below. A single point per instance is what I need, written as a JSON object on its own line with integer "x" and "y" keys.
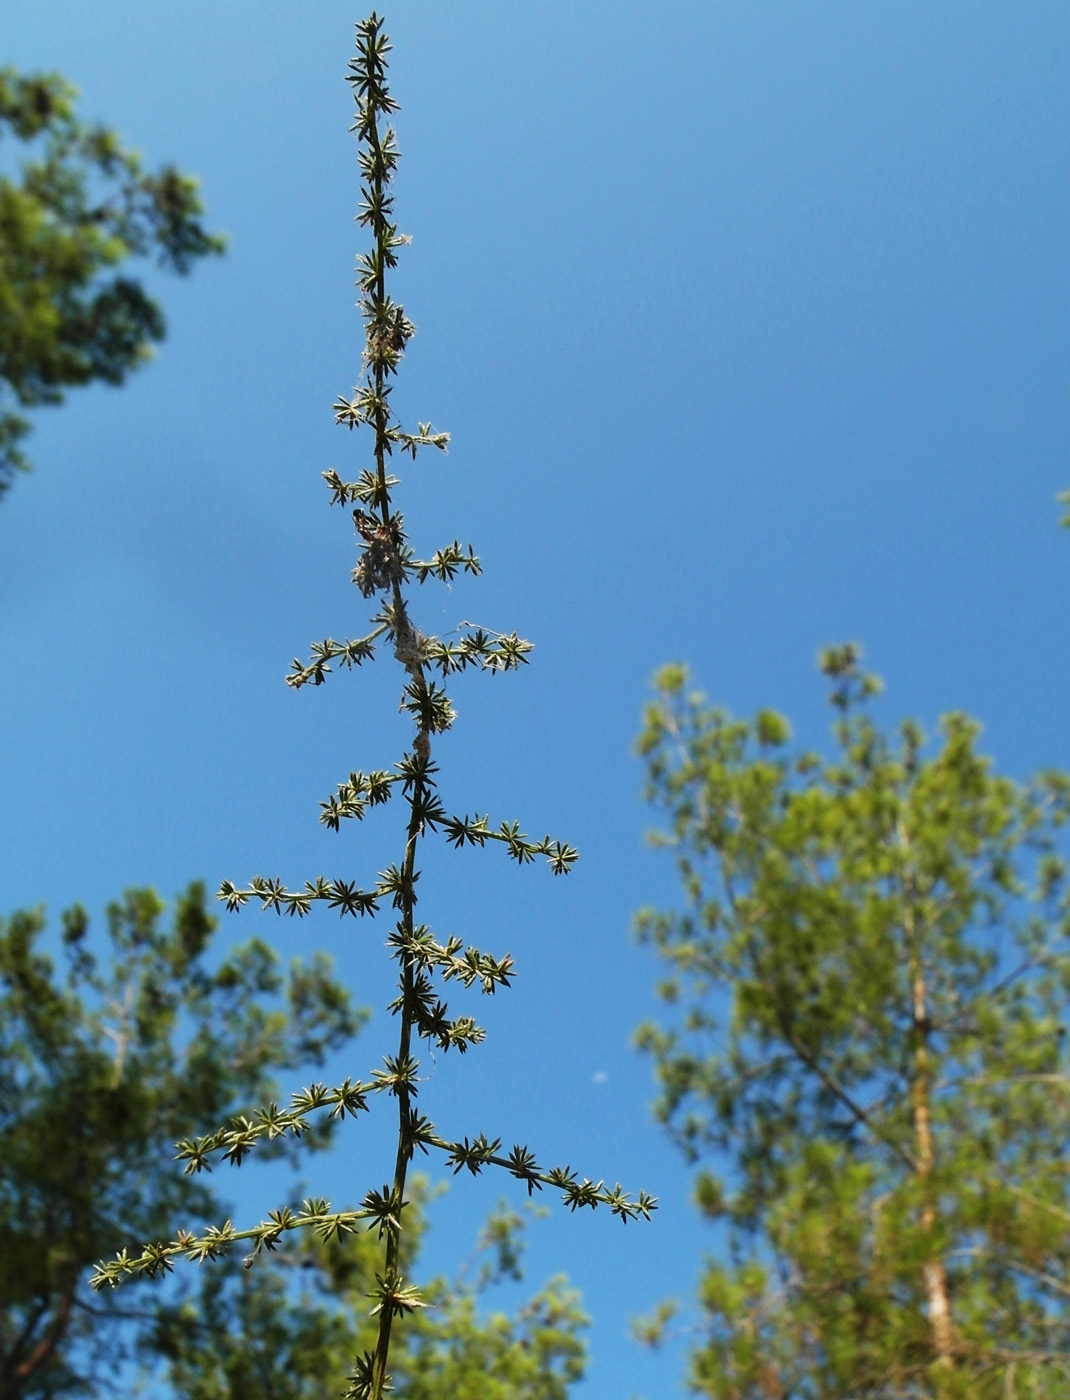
{"x": 386, "y": 568}
{"x": 79, "y": 210}
{"x": 112, "y": 1043}
{"x": 866, "y": 1003}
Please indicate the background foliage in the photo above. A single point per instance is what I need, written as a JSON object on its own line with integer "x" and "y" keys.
{"x": 104, "y": 1061}
{"x": 869, "y": 987}
{"x": 79, "y": 207}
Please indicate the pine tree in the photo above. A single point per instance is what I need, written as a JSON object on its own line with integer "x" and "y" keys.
{"x": 105, "y": 1057}
{"x": 80, "y": 210}
{"x": 865, "y": 1048}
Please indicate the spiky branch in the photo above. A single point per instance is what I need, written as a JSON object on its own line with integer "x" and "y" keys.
{"x": 386, "y": 566}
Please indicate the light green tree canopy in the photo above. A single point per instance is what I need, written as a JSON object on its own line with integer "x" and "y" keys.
{"x": 73, "y": 213}
{"x": 865, "y": 1032}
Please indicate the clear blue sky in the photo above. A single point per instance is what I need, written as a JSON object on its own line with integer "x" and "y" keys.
{"x": 750, "y": 322}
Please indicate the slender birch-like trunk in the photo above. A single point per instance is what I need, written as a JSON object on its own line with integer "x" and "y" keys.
{"x": 936, "y": 1291}
{"x": 934, "y": 1272}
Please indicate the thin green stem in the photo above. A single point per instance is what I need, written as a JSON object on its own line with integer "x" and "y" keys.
{"x": 392, "y": 1273}
{"x": 402, "y": 635}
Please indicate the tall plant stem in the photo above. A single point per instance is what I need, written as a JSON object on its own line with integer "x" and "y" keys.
{"x": 407, "y": 654}
{"x": 385, "y": 565}
{"x": 392, "y": 1272}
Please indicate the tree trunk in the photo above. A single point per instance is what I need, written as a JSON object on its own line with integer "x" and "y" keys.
{"x": 935, "y": 1275}
{"x": 20, "y": 1375}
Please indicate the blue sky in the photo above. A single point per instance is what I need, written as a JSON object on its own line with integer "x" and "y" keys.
{"x": 750, "y": 324}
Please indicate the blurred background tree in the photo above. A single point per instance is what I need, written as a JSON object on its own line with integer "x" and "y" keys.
{"x": 868, "y": 992}
{"x": 103, "y": 1063}
{"x": 80, "y": 207}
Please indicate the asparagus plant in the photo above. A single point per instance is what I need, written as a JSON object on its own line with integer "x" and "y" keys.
{"x": 386, "y": 567}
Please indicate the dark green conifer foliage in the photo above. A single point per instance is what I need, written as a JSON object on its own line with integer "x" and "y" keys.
{"x": 122, "y": 1045}
{"x": 386, "y": 567}
{"x": 80, "y": 209}
{"x": 867, "y": 1007}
